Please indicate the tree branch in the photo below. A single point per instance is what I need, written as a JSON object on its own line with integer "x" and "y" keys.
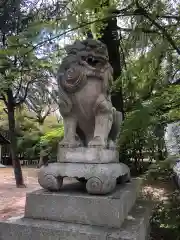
{"x": 119, "y": 13}
{"x": 21, "y": 81}
{"x": 3, "y": 98}
{"x": 177, "y": 17}
{"x": 140, "y": 10}
{"x": 19, "y": 88}
{"x": 46, "y": 114}
{"x": 61, "y": 34}
{"x": 164, "y": 32}
{"x": 22, "y": 100}
{"x": 144, "y": 30}
{"x": 5, "y": 110}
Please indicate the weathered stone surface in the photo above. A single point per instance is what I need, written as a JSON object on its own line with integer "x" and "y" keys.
{"x": 84, "y": 79}
{"x": 134, "y": 228}
{"x": 101, "y": 178}
{"x": 87, "y": 155}
{"x": 73, "y": 204}
{"x": 136, "y": 225}
{"x": 30, "y": 229}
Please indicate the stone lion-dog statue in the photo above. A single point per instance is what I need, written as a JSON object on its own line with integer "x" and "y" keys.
{"x": 84, "y": 79}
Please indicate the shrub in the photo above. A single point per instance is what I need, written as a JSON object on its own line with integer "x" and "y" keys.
{"x": 49, "y": 142}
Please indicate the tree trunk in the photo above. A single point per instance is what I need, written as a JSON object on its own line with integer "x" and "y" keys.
{"x": 109, "y": 36}
{"x": 13, "y": 140}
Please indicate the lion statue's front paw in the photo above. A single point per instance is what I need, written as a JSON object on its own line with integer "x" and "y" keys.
{"x": 97, "y": 142}
{"x": 70, "y": 143}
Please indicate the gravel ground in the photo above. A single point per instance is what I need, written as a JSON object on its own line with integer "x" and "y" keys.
{"x": 12, "y": 199}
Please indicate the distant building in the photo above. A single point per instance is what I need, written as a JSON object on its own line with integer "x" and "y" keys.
{"x": 3, "y": 141}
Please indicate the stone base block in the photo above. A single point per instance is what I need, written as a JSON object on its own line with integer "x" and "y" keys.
{"x": 87, "y": 155}
{"x": 134, "y": 228}
{"x": 101, "y": 178}
{"x": 73, "y": 204}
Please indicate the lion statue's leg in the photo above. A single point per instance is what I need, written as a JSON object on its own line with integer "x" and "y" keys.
{"x": 115, "y": 130}
{"x": 70, "y": 138}
{"x": 103, "y": 121}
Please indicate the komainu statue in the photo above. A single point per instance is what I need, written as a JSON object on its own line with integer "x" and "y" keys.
{"x": 84, "y": 80}
{"x": 91, "y": 124}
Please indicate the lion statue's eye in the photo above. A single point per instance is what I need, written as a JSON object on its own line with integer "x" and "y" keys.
{"x": 83, "y": 58}
{"x": 92, "y": 61}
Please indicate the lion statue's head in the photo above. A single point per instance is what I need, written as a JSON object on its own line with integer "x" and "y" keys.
{"x": 85, "y": 59}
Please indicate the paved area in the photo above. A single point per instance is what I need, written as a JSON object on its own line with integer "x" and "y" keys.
{"x": 12, "y": 199}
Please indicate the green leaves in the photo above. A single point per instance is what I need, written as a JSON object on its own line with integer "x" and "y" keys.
{"x": 54, "y": 135}
{"x": 90, "y": 4}
{"x": 50, "y": 140}
{"x": 136, "y": 123}
{"x": 71, "y": 20}
{"x": 13, "y": 40}
{"x": 7, "y": 52}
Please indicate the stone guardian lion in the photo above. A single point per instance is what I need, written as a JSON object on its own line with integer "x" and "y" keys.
{"x": 84, "y": 79}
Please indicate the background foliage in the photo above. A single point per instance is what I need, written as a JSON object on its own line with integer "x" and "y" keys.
{"x": 146, "y": 36}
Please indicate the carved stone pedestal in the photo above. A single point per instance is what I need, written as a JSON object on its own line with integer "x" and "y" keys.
{"x": 99, "y": 178}
{"x": 98, "y": 168}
